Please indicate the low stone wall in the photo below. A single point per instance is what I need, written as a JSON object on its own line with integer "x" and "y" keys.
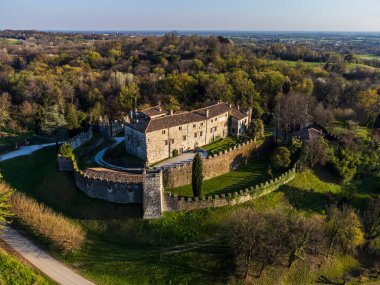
{"x": 175, "y": 203}
{"x": 213, "y": 166}
{"x": 81, "y": 139}
{"x": 126, "y": 191}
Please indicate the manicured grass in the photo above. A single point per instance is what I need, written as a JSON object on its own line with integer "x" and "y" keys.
{"x": 221, "y": 145}
{"x": 12, "y": 272}
{"x": 248, "y": 175}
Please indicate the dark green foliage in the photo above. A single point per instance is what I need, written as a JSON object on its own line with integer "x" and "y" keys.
{"x": 197, "y": 176}
{"x": 256, "y": 129}
{"x": 175, "y": 152}
{"x": 280, "y": 158}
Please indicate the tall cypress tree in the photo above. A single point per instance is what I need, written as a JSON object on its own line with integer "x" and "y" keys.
{"x": 197, "y": 176}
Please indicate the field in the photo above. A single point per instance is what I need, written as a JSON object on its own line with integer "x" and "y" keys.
{"x": 12, "y": 272}
{"x": 368, "y": 56}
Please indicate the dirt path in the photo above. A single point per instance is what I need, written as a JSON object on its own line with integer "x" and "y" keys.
{"x": 56, "y": 270}
{"x": 41, "y": 260}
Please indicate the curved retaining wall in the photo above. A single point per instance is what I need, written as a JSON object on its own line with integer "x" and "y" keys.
{"x": 214, "y": 165}
{"x": 80, "y": 139}
{"x": 128, "y": 191}
{"x": 176, "y": 203}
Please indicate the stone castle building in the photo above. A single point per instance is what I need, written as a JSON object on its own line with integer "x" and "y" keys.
{"x": 154, "y": 135}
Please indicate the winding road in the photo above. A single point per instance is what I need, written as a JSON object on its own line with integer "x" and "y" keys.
{"x": 56, "y": 270}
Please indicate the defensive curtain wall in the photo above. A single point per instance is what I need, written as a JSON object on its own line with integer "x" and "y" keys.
{"x": 147, "y": 187}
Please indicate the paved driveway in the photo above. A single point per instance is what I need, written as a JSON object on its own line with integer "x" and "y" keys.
{"x": 184, "y": 157}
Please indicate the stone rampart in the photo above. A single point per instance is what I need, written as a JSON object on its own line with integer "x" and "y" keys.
{"x": 128, "y": 189}
{"x": 81, "y": 139}
{"x": 175, "y": 203}
{"x": 213, "y": 166}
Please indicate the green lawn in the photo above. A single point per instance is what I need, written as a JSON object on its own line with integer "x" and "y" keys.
{"x": 248, "y": 175}
{"x": 12, "y": 272}
{"x": 221, "y": 145}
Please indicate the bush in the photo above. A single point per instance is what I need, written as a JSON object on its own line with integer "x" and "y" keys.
{"x": 44, "y": 222}
{"x": 280, "y": 158}
{"x": 175, "y": 152}
{"x": 65, "y": 150}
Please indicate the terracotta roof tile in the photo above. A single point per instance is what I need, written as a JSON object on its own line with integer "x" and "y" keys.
{"x": 238, "y": 114}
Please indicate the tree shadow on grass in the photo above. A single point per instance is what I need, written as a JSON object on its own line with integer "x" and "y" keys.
{"x": 308, "y": 200}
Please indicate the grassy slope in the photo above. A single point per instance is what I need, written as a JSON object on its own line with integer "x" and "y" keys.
{"x": 12, "y": 272}
{"x": 221, "y": 145}
{"x": 125, "y": 250}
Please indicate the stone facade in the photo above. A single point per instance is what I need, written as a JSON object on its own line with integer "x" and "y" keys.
{"x": 155, "y": 139}
{"x": 110, "y": 128}
{"x": 213, "y": 166}
{"x": 153, "y": 203}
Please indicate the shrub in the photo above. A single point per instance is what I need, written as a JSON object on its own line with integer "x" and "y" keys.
{"x": 5, "y": 206}
{"x": 44, "y": 222}
{"x": 175, "y": 152}
{"x": 65, "y": 150}
{"x": 280, "y": 158}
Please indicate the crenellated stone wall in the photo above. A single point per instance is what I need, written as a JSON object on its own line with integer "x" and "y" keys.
{"x": 175, "y": 203}
{"x": 126, "y": 191}
{"x": 213, "y": 166}
{"x": 81, "y": 139}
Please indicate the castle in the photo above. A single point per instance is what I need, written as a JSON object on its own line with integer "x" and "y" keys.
{"x": 154, "y": 134}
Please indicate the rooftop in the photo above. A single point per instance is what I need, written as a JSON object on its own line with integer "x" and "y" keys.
{"x": 157, "y": 120}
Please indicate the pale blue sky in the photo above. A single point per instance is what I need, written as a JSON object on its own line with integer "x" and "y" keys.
{"x": 255, "y": 15}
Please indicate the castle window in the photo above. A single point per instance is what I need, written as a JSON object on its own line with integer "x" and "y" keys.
{"x": 195, "y": 125}
{"x": 211, "y": 130}
{"x": 180, "y": 128}
{"x": 172, "y": 140}
{"x": 195, "y": 135}
{"x": 202, "y": 124}
{"x": 200, "y": 134}
{"x": 215, "y": 129}
{"x": 212, "y": 120}
{"x": 184, "y": 138}
{"x": 166, "y": 142}
{"x": 163, "y": 132}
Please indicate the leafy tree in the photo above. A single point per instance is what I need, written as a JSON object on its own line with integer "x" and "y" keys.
{"x": 344, "y": 230}
{"x": 257, "y": 111}
{"x": 5, "y": 105}
{"x": 256, "y": 129}
{"x": 52, "y": 120}
{"x": 197, "y": 175}
{"x": 72, "y": 117}
{"x": 371, "y": 220}
{"x": 316, "y": 151}
{"x": 280, "y": 157}
{"x": 128, "y": 96}
{"x": 369, "y": 103}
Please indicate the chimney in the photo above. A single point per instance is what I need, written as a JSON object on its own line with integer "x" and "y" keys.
{"x": 171, "y": 112}
{"x": 207, "y": 113}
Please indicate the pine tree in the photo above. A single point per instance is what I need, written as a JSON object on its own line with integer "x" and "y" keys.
{"x": 197, "y": 176}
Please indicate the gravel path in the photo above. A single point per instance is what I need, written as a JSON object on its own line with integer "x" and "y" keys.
{"x": 56, "y": 270}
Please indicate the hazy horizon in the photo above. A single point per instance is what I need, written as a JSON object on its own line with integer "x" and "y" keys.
{"x": 198, "y": 15}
